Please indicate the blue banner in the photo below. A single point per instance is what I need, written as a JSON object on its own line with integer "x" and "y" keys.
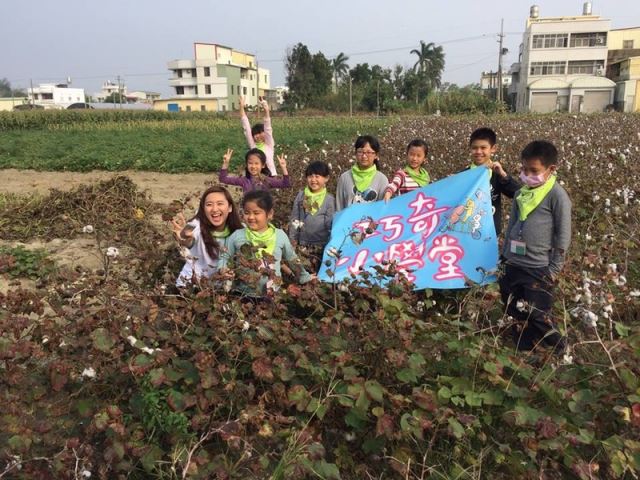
{"x": 438, "y": 236}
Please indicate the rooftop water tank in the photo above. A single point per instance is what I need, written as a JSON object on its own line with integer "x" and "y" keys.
{"x": 586, "y": 8}
{"x": 534, "y": 11}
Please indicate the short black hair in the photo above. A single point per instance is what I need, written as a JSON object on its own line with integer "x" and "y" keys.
{"x": 373, "y": 142}
{"x": 484, "y": 133}
{"x": 256, "y": 129}
{"x": 543, "y": 150}
{"x": 419, "y": 143}
{"x": 317, "y": 168}
{"x": 262, "y": 198}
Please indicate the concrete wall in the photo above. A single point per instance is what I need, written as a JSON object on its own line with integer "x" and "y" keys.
{"x": 194, "y": 104}
{"x": 617, "y": 38}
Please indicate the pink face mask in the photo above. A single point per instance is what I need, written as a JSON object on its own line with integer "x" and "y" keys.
{"x": 532, "y": 180}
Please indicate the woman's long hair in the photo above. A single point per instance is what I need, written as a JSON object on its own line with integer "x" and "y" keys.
{"x": 207, "y": 229}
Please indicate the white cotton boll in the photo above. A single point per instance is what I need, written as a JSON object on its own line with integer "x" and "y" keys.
{"x": 86, "y": 473}
{"x": 297, "y": 224}
{"x": 112, "y": 252}
{"x": 612, "y": 268}
{"x": 227, "y": 285}
{"x": 608, "y": 308}
{"x": 621, "y": 281}
{"x": 520, "y": 306}
{"x": 87, "y": 229}
{"x": 245, "y": 326}
{"x": 591, "y": 318}
{"x": 634, "y": 293}
{"x": 567, "y": 359}
{"x": 184, "y": 252}
{"x": 596, "y": 197}
{"x": 45, "y": 339}
{"x": 89, "y": 372}
{"x": 577, "y": 297}
{"x": 607, "y": 202}
{"x": 132, "y": 340}
{"x": 148, "y": 350}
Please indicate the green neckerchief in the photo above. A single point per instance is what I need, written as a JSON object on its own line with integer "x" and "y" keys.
{"x": 473, "y": 165}
{"x": 313, "y": 201}
{"x": 261, "y": 146}
{"x": 223, "y": 234}
{"x": 529, "y": 198}
{"x": 421, "y": 177}
{"x": 265, "y": 242}
{"x": 363, "y": 178}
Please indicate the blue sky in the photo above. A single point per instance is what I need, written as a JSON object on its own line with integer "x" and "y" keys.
{"x": 92, "y": 41}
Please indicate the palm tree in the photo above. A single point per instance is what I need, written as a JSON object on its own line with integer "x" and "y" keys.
{"x": 339, "y": 66}
{"x": 430, "y": 64}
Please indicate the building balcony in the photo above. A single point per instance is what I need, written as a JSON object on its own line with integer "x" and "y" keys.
{"x": 183, "y": 82}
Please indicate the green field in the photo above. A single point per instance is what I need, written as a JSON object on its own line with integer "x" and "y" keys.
{"x": 156, "y": 141}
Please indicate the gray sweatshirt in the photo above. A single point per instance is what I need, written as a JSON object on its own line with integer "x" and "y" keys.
{"x": 546, "y": 232}
{"x": 347, "y": 194}
{"x": 315, "y": 229}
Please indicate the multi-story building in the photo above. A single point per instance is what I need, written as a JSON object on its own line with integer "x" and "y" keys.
{"x": 624, "y": 67}
{"x": 215, "y": 79}
{"x": 108, "y": 89}
{"x": 55, "y": 96}
{"x": 489, "y": 80}
{"x": 562, "y": 64}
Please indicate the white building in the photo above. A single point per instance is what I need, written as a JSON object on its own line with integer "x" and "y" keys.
{"x": 562, "y": 64}
{"x": 219, "y": 75}
{"x": 489, "y": 80}
{"x": 55, "y": 96}
{"x": 280, "y": 91}
{"x": 108, "y": 89}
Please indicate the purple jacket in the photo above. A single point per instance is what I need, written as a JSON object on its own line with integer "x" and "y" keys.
{"x": 249, "y": 184}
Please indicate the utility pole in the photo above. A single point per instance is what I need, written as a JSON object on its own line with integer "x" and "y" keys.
{"x": 33, "y": 103}
{"x": 501, "y": 52}
{"x": 119, "y": 93}
{"x": 350, "y": 96}
{"x": 378, "y": 100}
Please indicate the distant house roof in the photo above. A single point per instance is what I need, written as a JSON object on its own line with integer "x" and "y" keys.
{"x": 592, "y": 81}
{"x": 548, "y": 84}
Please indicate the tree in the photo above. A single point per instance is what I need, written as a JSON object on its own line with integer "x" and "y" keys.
{"x": 308, "y": 76}
{"x": 430, "y": 64}
{"x": 340, "y": 67}
{"x": 6, "y": 90}
{"x": 115, "y": 97}
{"x": 360, "y": 74}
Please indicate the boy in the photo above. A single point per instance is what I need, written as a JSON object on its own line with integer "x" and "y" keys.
{"x": 483, "y": 145}
{"x": 260, "y": 136}
{"x": 312, "y": 213}
{"x": 536, "y": 242}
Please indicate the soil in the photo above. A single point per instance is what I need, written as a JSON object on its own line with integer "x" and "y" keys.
{"x": 83, "y": 251}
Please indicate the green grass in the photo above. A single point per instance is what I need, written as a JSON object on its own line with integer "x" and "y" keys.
{"x": 189, "y": 144}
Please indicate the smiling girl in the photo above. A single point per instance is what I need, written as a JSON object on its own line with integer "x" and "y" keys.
{"x": 363, "y": 182}
{"x": 269, "y": 244}
{"x": 256, "y": 174}
{"x": 206, "y": 234}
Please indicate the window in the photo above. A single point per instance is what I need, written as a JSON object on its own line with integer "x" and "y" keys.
{"x": 233, "y": 106}
{"x": 244, "y": 90}
{"x": 265, "y": 79}
{"x": 207, "y": 89}
{"x": 203, "y": 108}
{"x": 547, "y": 68}
{"x": 253, "y": 91}
{"x": 587, "y": 67}
{"x": 179, "y": 73}
{"x": 47, "y": 96}
{"x": 551, "y": 40}
{"x": 193, "y": 72}
{"x": 179, "y": 90}
{"x": 626, "y": 44}
{"x": 207, "y": 71}
{"x": 188, "y": 108}
{"x": 224, "y": 108}
{"x": 593, "y": 39}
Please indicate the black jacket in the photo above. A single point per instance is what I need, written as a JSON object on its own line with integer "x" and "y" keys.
{"x": 501, "y": 186}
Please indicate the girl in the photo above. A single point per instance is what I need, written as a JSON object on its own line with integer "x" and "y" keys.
{"x": 206, "y": 234}
{"x": 312, "y": 213}
{"x": 259, "y": 136}
{"x": 260, "y": 234}
{"x": 363, "y": 183}
{"x": 412, "y": 176}
{"x": 257, "y": 176}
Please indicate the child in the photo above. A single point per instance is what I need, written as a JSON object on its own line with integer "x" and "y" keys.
{"x": 312, "y": 213}
{"x": 537, "y": 239}
{"x": 483, "y": 145}
{"x": 363, "y": 182}
{"x": 256, "y": 174}
{"x": 412, "y": 176}
{"x": 260, "y": 136}
{"x": 206, "y": 233}
{"x": 263, "y": 236}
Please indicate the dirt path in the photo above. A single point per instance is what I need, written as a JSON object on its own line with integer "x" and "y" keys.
{"x": 163, "y": 187}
